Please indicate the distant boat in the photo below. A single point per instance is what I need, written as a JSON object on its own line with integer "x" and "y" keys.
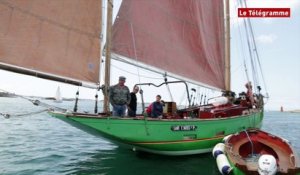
{"x": 58, "y": 97}
{"x": 256, "y": 152}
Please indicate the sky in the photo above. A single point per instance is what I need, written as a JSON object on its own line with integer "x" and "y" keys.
{"x": 278, "y": 46}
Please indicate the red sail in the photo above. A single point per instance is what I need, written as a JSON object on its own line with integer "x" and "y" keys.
{"x": 57, "y": 37}
{"x": 185, "y": 38}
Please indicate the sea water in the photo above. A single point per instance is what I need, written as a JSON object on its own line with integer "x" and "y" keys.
{"x": 41, "y": 145}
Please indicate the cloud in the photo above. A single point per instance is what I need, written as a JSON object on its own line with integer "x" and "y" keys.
{"x": 266, "y": 39}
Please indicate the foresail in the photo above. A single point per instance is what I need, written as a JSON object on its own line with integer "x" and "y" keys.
{"x": 58, "y": 37}
{"x": 185, "y": 38}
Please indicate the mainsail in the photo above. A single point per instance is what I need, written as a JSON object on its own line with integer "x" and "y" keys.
{"x": 184, "y": 38}
{"x": 56, "y": 38}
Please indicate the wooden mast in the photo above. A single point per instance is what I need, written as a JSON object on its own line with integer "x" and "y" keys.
{"x": 108, "y": 55}
{"x": 227, "y": 46}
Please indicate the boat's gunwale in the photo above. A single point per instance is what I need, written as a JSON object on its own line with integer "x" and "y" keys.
{"x": 99, "y": 116}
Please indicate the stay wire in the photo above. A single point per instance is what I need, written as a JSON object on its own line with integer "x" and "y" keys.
{"x": 257, "y": 55}
{"x": 34, "y": 102}
{"x": 134, "y": 73}
{"x": 242, "y": 47}
{"x": 250, "y": 50}
{"x": 168, "y": 87}
{"x": 254, "y": 63}
{"x": 7, "y": 115}
{"x": 135, "y": 54}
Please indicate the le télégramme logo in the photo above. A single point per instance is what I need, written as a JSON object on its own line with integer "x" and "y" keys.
{"x": 264, "y": 12}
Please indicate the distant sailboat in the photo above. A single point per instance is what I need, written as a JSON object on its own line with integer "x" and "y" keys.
{"x": 58, "y": 97}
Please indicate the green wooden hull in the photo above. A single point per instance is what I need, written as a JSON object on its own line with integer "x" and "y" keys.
{"x": 167, "y": 137}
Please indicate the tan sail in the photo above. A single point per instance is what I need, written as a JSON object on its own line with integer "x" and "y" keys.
{"x": 57, "y": 37}
{"x": 185, "y": 38}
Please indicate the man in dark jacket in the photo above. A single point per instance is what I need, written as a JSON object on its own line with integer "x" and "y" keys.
{"x": 133, "y": 102}
{"x": 155, "y": 109}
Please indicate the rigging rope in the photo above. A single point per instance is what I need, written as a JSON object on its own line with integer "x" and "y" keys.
{"x": 170, "y": 94}
{"x": 134, "y": 48}
{"x": 242, "y": 47}
{"x": 256, "y": 53}
{"x": 168, "y": 88}
{"x": 183, "y": 100}
{"x": 255, "y": 64}
{"x": 251, "y": 55}
{"x": 134, "y": 73}
{"x": 254, "y": 59}
{"x": 138, "y": 71}
{"x": 36, "y": 103}
{"x": 6, "y": 115}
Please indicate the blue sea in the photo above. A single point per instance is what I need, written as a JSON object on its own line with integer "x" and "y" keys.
{"x": 41, "y": 145}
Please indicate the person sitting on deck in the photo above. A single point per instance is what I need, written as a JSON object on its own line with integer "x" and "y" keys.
{"x": 155, "y": 109}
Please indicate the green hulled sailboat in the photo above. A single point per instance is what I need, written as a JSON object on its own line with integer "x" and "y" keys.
{"x": 187, "y": 40}
{"x": 165, "y": 136}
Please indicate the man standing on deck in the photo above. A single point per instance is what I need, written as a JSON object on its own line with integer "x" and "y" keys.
{"x": 133, "y": 102}
{"x": 249, "y": 93}
{"x": 119, "y": 96}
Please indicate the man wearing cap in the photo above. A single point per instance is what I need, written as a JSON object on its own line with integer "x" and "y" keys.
{"x": 119, "y": 96}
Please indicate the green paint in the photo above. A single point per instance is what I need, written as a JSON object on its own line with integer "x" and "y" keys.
{"x": 158, "y": 136}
